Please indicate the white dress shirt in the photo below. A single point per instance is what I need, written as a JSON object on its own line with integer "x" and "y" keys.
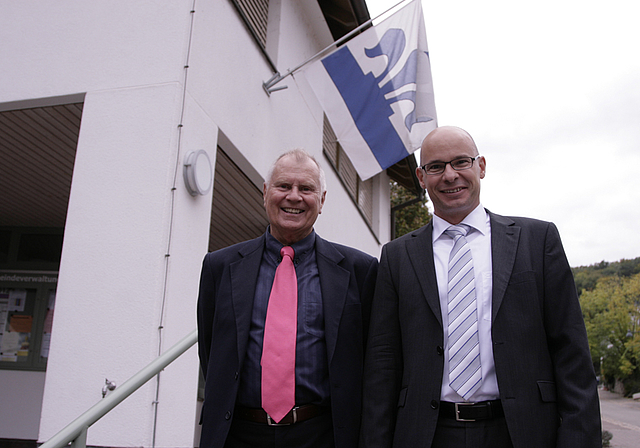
{"x": 479, "y": 239}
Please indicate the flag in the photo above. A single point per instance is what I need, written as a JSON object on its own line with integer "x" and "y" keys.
{"x": 377, "y": 92}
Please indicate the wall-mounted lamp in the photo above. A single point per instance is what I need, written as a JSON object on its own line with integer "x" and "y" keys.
{"x": 198, "y": 175}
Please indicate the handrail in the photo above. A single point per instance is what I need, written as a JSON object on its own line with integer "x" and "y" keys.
{"x": 76, "y": 431}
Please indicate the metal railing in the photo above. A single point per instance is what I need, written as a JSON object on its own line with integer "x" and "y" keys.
{"x": 76, "y": 431}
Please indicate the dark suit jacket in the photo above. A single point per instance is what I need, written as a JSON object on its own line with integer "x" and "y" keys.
{"x": 543, "y": 366}
{"x": 225, "y": 302}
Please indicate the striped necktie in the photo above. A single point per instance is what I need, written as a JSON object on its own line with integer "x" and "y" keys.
{"x": 465, "y": 375}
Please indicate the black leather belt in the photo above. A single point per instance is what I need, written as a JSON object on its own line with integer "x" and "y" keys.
{"x": 471, "y": 412}
{"x": 295, "y": 415}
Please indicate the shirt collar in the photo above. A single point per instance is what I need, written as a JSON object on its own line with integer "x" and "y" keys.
{"x": 478, "y": 219}
{"x": 301, "y": 249}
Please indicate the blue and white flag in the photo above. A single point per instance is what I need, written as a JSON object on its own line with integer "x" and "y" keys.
{"x": 377, "y": 92}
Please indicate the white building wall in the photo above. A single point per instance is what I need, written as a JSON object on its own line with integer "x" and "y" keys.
{"x": 111, "y": 284}
{"x": 58, "y": 48}
{"x": 123, "y": 218}
{"x": 20, "y": 395}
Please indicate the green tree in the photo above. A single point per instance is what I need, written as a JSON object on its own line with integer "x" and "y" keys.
{"x": 586, "y": 277}
{"x": 612, "y": 317}
{"x": 409, "y": 217}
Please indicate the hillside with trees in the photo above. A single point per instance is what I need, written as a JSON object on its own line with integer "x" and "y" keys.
{"x": 610, "y": 300}
{"x": 586, "y": 277}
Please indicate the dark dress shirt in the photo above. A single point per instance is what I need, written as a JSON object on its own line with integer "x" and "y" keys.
{"x": 312, "y": 372}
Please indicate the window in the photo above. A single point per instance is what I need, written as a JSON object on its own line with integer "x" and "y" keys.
{"x": 29, "y": 262}
{"x": 255, "y": 14}
{"x": 237, "y": 211}
{"x": 361, "y": 192}
{"x": 5, "y": 241}
{"x": 26, "y": 316}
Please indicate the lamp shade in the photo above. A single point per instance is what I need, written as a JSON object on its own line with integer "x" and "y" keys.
{"x": 197, "y": 171}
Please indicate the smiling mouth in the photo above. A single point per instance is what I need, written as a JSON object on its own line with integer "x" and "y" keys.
{"x": 454, "y": 190}
{"x": 295, "y": 211}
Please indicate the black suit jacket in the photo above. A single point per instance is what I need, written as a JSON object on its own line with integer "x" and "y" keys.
{"x": 543, "y": 366}
{"x": 225, "y": 302}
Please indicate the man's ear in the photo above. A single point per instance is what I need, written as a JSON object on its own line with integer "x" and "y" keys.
{"x": 264, "y": 194}
{"x": 322, "y": 198}
{"x": 419, "y": 174}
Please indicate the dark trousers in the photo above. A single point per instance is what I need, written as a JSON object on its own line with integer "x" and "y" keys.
{"x": 481, "y": 434}
{"x": 316, "y": 432}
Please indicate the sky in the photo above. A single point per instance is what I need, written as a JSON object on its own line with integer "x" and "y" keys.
{"x": 550, "y": 91}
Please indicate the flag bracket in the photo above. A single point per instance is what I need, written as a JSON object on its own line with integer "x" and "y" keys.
{"x": 268, "y": 86}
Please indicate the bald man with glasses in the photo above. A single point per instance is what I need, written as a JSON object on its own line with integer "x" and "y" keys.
{"x": 476, "y": 337}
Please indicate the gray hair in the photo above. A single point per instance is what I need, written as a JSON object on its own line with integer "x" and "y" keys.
{"x": 300, "y": 155}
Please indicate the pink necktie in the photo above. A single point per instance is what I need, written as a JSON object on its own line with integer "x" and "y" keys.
{"x": 279, "y": 346}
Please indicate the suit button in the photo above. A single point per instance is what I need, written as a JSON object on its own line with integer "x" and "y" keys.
{"x": 434, "y": 404}
{"x": 236, "y": 376}
{"x": 440, "y": 350}
{"x": 227, "y": 416}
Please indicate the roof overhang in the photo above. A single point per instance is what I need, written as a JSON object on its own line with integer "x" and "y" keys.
{"x": 343, "y": 16}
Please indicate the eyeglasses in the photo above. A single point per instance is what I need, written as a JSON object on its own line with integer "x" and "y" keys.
{"x": 459, "y": 164}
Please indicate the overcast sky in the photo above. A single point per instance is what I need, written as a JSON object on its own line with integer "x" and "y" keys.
{"x": 550, "y": 91}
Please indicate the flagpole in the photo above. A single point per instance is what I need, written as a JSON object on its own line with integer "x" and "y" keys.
{"x": 268, "y": 86}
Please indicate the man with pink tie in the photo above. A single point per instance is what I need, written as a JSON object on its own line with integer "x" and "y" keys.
{"x": 267, "y": 384}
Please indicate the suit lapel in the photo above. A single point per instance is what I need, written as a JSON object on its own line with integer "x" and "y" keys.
{"x": 504, "y": 244}
{"x": 420, "y": 251}
{"x": 243, "y": 288}
{"x": 334, "y": 284}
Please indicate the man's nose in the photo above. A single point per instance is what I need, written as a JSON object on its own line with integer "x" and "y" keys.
{"x": 294, "y": 194}
{"x": 449, "y": 173}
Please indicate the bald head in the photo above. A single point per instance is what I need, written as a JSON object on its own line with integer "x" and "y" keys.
{"x": 454, "y": 192}
{"x": 450, "y": 136}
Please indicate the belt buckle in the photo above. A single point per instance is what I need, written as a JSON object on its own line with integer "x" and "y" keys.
{"x": 294, "y": 414}
{"x": 457, "y": 409}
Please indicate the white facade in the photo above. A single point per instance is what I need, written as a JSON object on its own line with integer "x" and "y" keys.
{"x": 143, "y": 112}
